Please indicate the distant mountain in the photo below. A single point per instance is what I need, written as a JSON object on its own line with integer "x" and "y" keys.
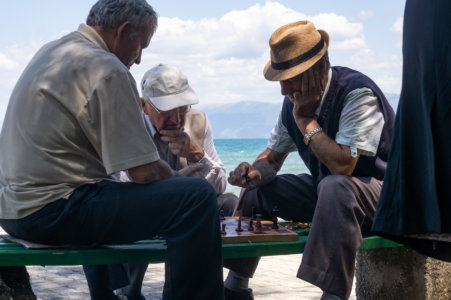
{"x": 243, "y": 119}
{"x": 251, "y": 119}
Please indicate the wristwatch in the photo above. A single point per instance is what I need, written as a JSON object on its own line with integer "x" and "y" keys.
{"x": 308, "y": 135}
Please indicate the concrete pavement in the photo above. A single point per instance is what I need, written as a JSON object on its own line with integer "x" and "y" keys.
{"x": 275, "y": 279}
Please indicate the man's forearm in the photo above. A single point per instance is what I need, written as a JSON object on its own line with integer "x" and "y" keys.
{"x": 153, "y": 171}
{"x": 267, "y": 171}
{"x": 337, "y": 158}
{"x": 268, "y": 164}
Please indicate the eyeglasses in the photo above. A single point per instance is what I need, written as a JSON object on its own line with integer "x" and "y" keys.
{"x": 182, "y": 110}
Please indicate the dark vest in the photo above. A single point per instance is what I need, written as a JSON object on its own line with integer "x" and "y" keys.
{"x": 343, "y": 81}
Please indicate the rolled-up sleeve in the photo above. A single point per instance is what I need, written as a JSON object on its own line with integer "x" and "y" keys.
{"x": 279, "y": 139}
{"x": 361, "y": 122}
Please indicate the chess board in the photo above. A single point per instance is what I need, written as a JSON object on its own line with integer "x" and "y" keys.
{"x": 267, "y": 234}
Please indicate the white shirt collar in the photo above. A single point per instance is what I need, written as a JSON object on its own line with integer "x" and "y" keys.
{"x": 329, "y": 77}
{"x": 152, "y": 129}
{"x": 92, "y": 35}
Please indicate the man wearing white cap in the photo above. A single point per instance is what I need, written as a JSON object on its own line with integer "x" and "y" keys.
{"x": 341, "y": 124}
{"x": 183, "y": 137}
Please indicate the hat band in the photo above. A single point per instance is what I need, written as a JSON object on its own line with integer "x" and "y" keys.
{"x": 300, "y": 59}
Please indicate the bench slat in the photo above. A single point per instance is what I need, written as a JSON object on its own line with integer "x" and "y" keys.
{"x": 153, "y": 251}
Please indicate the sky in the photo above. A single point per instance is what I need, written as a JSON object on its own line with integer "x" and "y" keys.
{"x": 222, "y": 46}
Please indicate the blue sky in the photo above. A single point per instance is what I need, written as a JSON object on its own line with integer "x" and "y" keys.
{"x": 221, "y": 46}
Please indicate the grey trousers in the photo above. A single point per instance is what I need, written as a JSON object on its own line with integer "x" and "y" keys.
{"x": 338, "y": 208}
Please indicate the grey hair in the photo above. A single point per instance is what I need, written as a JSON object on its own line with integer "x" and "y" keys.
{"x": 326, "y": 58}
{"x": 109, "y": 13}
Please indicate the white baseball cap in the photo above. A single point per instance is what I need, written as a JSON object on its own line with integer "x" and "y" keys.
{"x": 167, "y": 88}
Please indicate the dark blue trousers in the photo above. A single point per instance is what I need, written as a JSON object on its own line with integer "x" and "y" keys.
{"x": 182, "y": 210}
{"x": 128, "y": 278}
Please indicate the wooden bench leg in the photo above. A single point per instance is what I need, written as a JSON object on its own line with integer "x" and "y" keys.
{"x": 401, "y": 273}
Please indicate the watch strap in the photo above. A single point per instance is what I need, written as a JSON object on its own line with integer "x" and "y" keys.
{"x": 308, "y": 136}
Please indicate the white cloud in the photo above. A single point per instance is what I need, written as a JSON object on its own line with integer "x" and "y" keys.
{"x": 224, "y": 57}
{"x": 365, "y": 14}
{"x": 398, "y": 26}
{"x": 13, "y": 60}
{"x": 389, "y": 84}
{"x": 7, "y": 63}
{"x": 338, "y": 27}
{"x": 350, "y": 44}
{"x": 241, "y": 34}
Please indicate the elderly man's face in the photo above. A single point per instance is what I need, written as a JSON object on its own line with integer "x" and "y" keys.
{"x": 128, "y": 48}
{"x": 289, "y": 86}
{"x": 173, "y": 119}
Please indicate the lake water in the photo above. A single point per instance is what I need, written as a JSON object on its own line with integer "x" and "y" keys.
{"x": 234, "y": 151}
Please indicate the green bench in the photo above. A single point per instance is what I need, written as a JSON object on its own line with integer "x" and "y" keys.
{"x": 152, "y": 251}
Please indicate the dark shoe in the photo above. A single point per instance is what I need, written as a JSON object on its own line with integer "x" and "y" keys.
{"x": 18, "y": 280}
{"x": 238, "y": 295}
{"x": 5, "y": 291}
{"x": 329, "y": 296}
{"x": 23, "y": 292}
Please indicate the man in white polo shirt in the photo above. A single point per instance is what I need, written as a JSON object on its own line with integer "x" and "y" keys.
{"x": 74, "y": 120}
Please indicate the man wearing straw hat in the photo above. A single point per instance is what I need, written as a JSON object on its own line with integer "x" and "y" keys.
{"x": 341, "y": 124}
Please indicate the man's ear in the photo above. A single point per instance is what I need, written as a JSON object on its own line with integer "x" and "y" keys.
{"x": 122, "y": 31}
{"x": 144, "y": 106}
{"x": 124, "y": 28}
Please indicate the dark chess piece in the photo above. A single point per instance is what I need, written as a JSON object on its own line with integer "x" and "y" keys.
{"x": 253, "y": 213}
{"x": 258, "y": 224}
{"x": 275, "y": 211}
{"x": 238, "y": 228}
{"x": 221, "y": 215}
{"x": 223, "y": 231}
{"x": 251, "y": 225}
{"x": 250, "y": 185}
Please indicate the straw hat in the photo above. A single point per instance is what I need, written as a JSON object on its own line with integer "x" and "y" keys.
{"x": 167, "y": 88}
{"x": 295, "y": 48}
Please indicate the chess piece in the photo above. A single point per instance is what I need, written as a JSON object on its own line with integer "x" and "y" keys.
{"x": 221, "y": 215}
{"x": 250, "y": 185}
{"x": 291, "y": 227}
{"x": 258, "y": 224}
{"x": 253, "y": 213}
{"x": 251, "y": 225}
{"x": 223, "y": 231}
{"x": 238, "y": 228}
{"x": 275, "y": 210}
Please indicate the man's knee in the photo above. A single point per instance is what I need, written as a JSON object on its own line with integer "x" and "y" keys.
{"x": 332, "y": 185}
{"x": 335, "y": 192}
{"x": 227, "y": 203}
{"x": 203, "y": 194}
